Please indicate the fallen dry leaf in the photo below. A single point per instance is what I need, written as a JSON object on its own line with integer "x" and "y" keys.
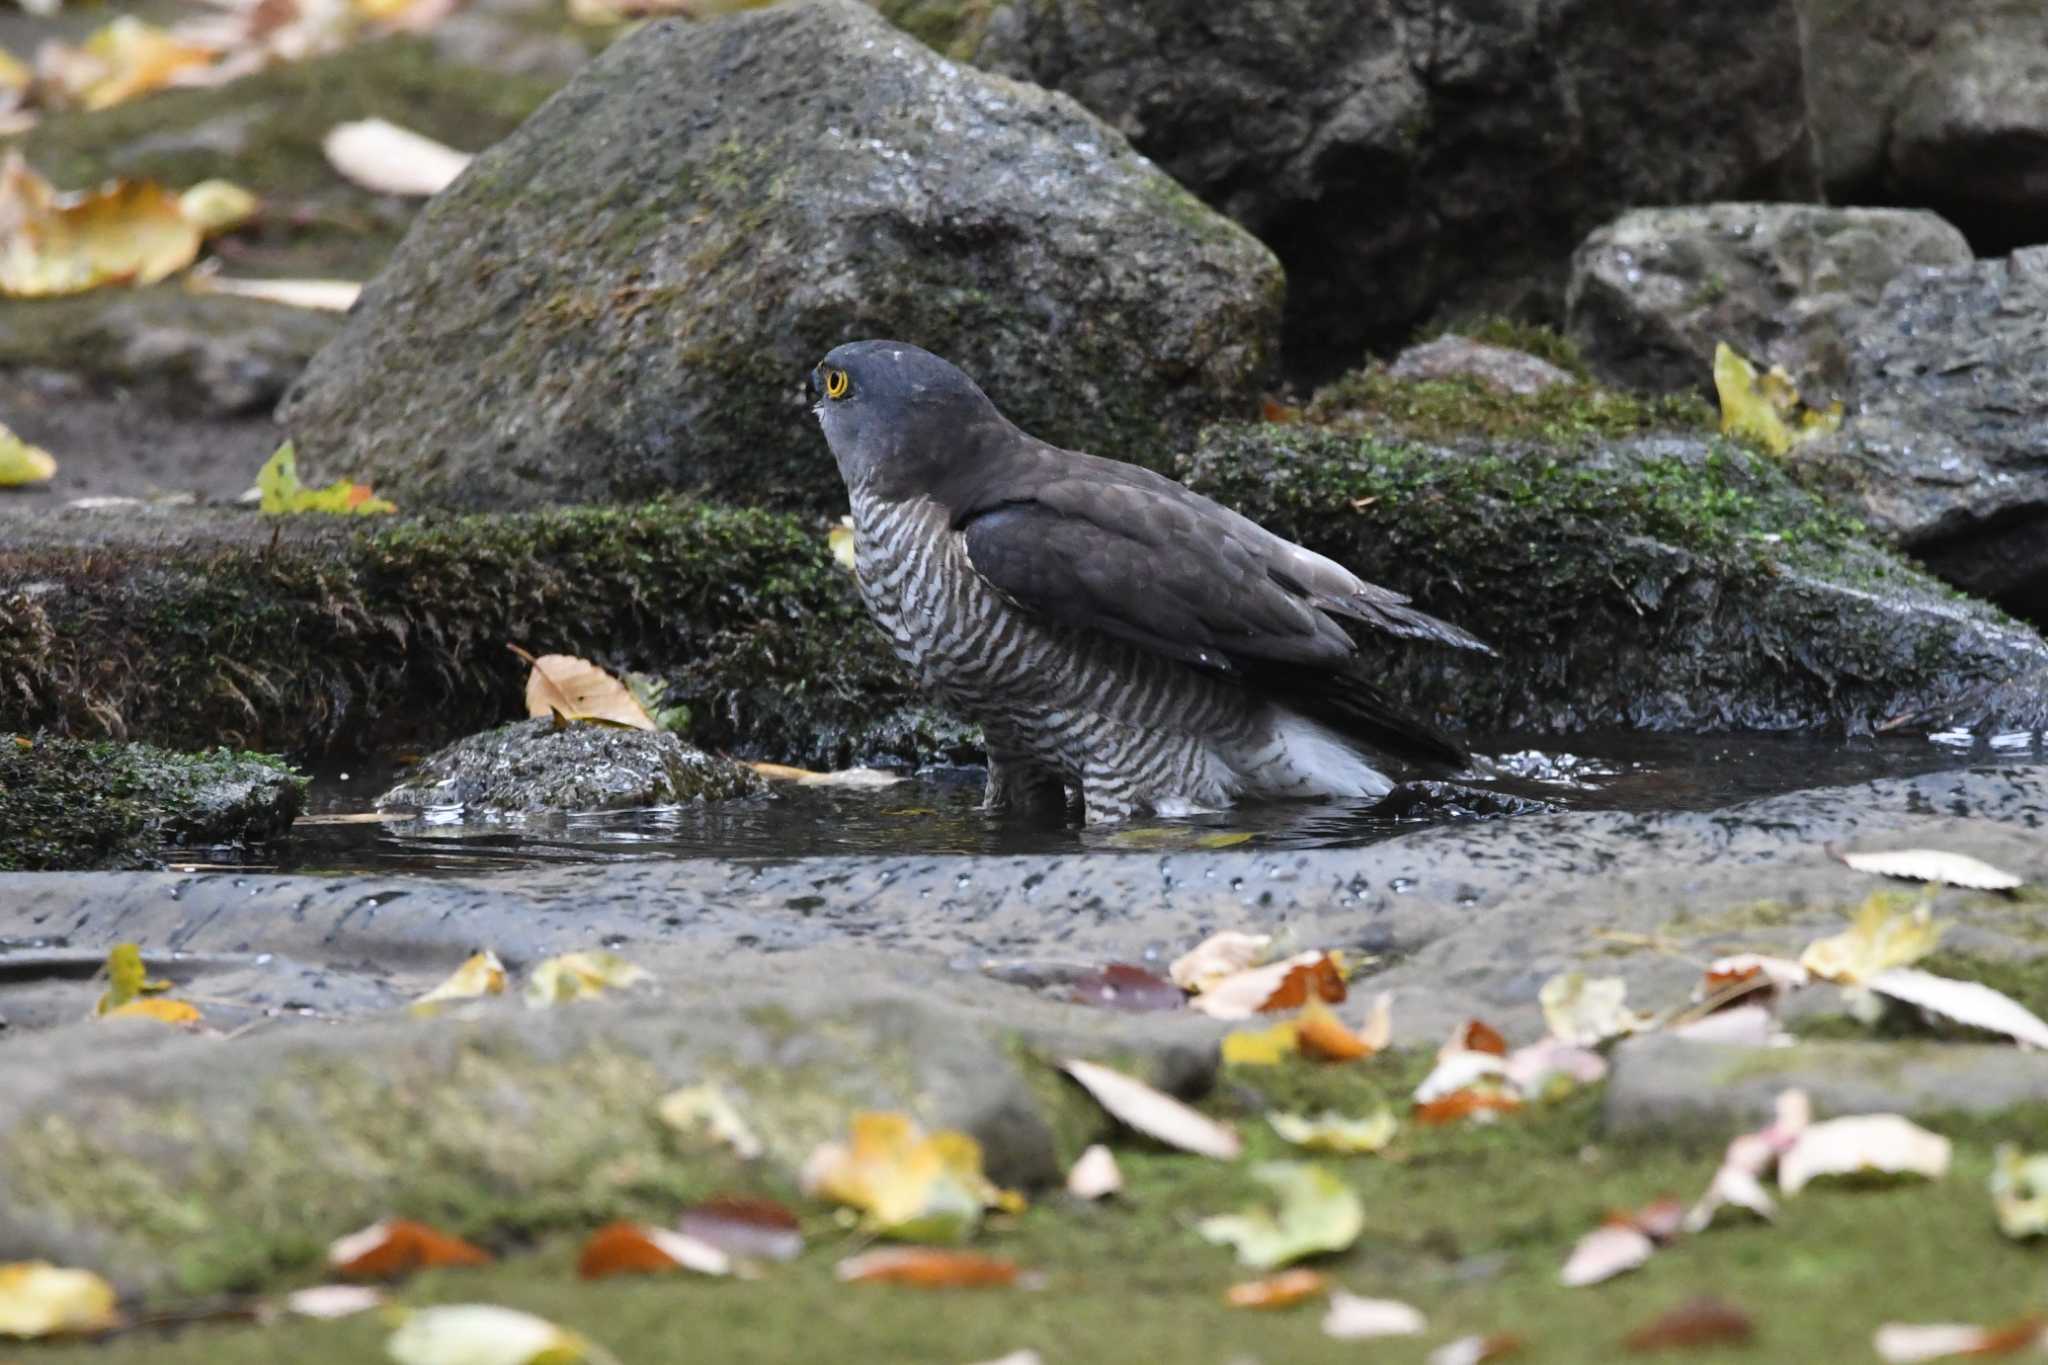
{"x": 1705, "y": 1321}
{"x": 745, "y": 1226}
{"x": 38, "y": 1299}
{"x": 1284, "y": 1290}
{"x": 577, "y": 689}
{"x": 1094, "y": 1174}
{"x": 1880, "y": 937}
{"x": 1933, "y": 865}
{"x": 1474, "y": 1035}
{"x": 119, "y": 61}
{"x": 1323, "y": 1037}
{"x": 1156, "y": 1115}
{"x": 127, "y": 979}
{"x": 162, "y": 1010}
{"x": 1766, "y": 408}
{"x": 859, "y": 779}
{"x": 1900, "y": 1343}
{"x": 1966, "y": 1002}
{"x": 1864, "y": 1142}
{"x": 22, "y": 463}
{"x": 1739, "y": 1180}
{"x": 400, "y": 1246}
{"x": 485, "y": 1334}
{"x": 216, "y": 206}
{"x": 1476, "y": 1350}
{"x": 1267, "y": 1046}
{"x": 330, "y": 1301}
{"x": 909, "y": 1185}
{"x": 1218, "y": 956}
{"x": 928, "y": 1268}
{"x": 1549, "y": 1067}
{"x": 479, "y": 975}
{"x": 581, "y": 976}
{"x": 387, "y": 159}
{"x": 1126, "y": 986}
{"x": 1734, "y": 978}
{"x": 641, "y": 1249}
{"x": 329, "y": 296}
{"x": 1483, "y": 1106}
{"x": 1331, "y": 1132}
{"x": 1316, "y": 1212}
{"x": 2019, "y": 1192}
{"x": 1455, "y": 1071}
{"x": 1352, "y": 1318}
{"x": 125, "y": 232}
{"x": 281, "y": 493}
{"x": 1608, "y": 1250}
{"x": 1588, "y": 1010}
{"x": 705, "y": 1109}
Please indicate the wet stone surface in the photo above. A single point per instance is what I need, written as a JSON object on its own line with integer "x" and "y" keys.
{"x": 535, "y": 766}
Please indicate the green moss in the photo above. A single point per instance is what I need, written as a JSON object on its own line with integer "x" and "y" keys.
{"x": 342, "y": 637}
{"x": 1563, "y": 415}
{"x": 1531, "y": 338}
{"x": 954, "y": 28}
{"x": 70, "y": 804}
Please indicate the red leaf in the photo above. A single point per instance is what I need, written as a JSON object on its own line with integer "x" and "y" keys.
{"x": 1319, "y": 978}
{"x": 1705, "y": 1321}
{"x": 928, "y": 1268}
{"x": 1123, "y": 986}
{"x": 742, "y": 1225}
{"x": 1475, "y": 1036}
{"x": 1276, "y": 1291}
{"x": 1463, "y": 1104}
{"x": 399, "y": 1246}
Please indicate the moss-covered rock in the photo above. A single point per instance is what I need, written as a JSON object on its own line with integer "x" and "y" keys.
{"x": 623, "y": 298}
{"x": 535, "y": 766}
{"x": 67, "y": 803}
{"x": 317, "y": 634}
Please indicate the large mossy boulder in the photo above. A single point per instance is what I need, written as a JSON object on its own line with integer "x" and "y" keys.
{"x": 1946, "y": 448}
{"x": 538, "y": 767}
{"x": 624, "y": 297}
{"x": 67, "y": 803}
{"x": 1405, "y": 159}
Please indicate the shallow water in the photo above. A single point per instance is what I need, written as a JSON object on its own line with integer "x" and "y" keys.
{"x": 937, "y": 811}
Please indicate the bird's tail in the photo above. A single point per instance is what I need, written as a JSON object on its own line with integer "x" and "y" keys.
{"x": 1358, "y": 711}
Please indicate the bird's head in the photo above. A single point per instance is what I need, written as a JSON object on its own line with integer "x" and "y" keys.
{"x": 898, "y": 418}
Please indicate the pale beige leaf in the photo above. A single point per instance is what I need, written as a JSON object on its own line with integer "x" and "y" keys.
{"x": 1966, "y": 1002}
{"x": 1154, "y": 1114}
{"x": 1535, "y": 1069}
{"x": 386, "y": 159}
{"x": 577, "y": 689}
{"x": 1608, "y": 1250}
{"x": 1586, "y": 1010}
{"x": 215, "y": 206}
{"x": 485, "y": 1334}
{"x": 578, "y": 976}
{"x": 1863, "y": 1142}
{"x": 704, "y": 1108}
{"x": 1095, "y": 1174}
{"x": 1903, "y": 1343}
{"x": 1244, "y": 994}
{"x": 324, "y": 296}
{"x": 856, "y": 779}
{"x": 1879, "y": 937}
{"x": 1352, "y": 1318}
{"x": 1216, "y": 957}
{"x": 38, "y": 1299}
{"x": 1933, "y": 865}
{"x": 328, "y": 1301}
{"x": 1457, "y": 1071}
{"x": 1750, "y": 1025}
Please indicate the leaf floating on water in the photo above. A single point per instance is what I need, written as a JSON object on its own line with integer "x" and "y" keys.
{"x": 2019, "y": 1192}
{"x": 387, "y": 159}
{"x": 38, "y": 1299}
{"x": 22, "y": 463}
{"x": 485, "y": 1334}
{"x": 928, "y": 1268}
{"x": 1966, "y": 1002}
{"x": 1766, "y": 408}
{"x": 1865, "y": 1142}
{"x": 400, "y": 1246}
{"x": 1284, "y": 1290}
{"x": 1933, "y": 865}
{"x": 577, "y": 689}
{"x": 1880, "y": 937}
{"x": 480, "y": 975}
{"x": 283, "y": 495}
{"x": 1094, "y": 1174}
{"x": 1333, "y": 1132}
{"x": 853, "y": 778}
{"x": 127, "y": 978}
{"x": 745, "y": 1226}
{"x": 1216, "y": 957}
{"x": 581, "y": 976}
{"x": 910, "y": 1185}
{"x": 1901, "y": 1343}
{"x": 1156, "y": 1115}
{"x": 1705, "y": 1321}
{"x": 1352, "y": 1318}
{"x": 1317, "y": 1212}
{"x": 705, "y": 1109}
{"x": 642, "y": 1249}
{"x": 1170, "y": 837}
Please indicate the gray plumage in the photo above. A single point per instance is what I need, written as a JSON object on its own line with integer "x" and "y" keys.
{"x": 1120, "y": 639}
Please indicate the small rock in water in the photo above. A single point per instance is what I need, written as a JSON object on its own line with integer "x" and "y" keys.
{"x": 531, "y": 767}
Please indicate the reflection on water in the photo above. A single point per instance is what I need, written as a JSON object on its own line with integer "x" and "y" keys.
{"x": 938, "y": 811}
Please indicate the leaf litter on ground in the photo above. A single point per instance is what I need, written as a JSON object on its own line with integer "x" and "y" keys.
{"x": 22, "y": 464}
{"x": 486, "y": 1334}
{"x": 480, "y": 974}
{"x": 1354, "y": 1318}
{"x": 39, "y": 1300}
{"x": 931, "y": 1268}
{"x": 574, "y": 689}
{"x": 281, "y": 494}
{"x": 2019, "y": 1191}
{"x": 626, "y": 1248}
{"x": 395, "y": 1247}
{"x": 908, "y": 1184}
{"x": 384, "y": 158}
{"x": 1766, "y": 408}
{"x": 1316, "y": 1212}
{"x": 1157, "y": 1115}
{"x": 581, "y": 976}
{"x": 704, "y": 1109}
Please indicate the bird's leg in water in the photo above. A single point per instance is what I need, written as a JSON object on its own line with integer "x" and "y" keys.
{"x": 1016, "y": 783}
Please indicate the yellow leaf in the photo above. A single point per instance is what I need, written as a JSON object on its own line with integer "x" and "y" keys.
{"x": 122, "y": 233}
{"x": 480, "y": 975}
{"x": 1333, "y": 1132}
{"x": 704, "y": 1108}
{"x": 840, "y": 538}
{"x": 1878, "y": 938}
{"x": 283, "y": 494}
{"x": 910, "y": 1185}
{"x": 127, "y": 979}
{"x": 577, "y": 689}
{"x": 22, "y": 463}
{"x": 138, "y": 58}
{"x": 164, "y": 1011}
{"x": 217, "y": 205}
{"x": 15, "y": 75}
{"x": 1263, "y": 1047}
{"x": 1317, "y": 1212}
{"x": 485, "y": 1334}
{"x": 42, "y": 1300}
{"x": 578, "y": 976}
{"x": 1766, "y": 408}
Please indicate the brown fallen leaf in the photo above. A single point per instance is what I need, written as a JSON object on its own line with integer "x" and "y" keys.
{"x": 1284, "y": 1290}
{"x": 1216, "y": 957}
{"x": 1705, "y": 1321}
{"x": 1284, "y": 985}
{"x": 928, "y": 1268}
{"x": 118, "y": 62}
{"x": 399, "y": 1246}
{"x": 1475, "y": 1035}
{"x": 1126, "y": 986}
{"x": 746, "y": 1226}
{"x": 640, "y": 1249}
{"x": 1323, "y": 1036}
{"x": 577, "y": 689}
{"x": 1467, "y": 1104}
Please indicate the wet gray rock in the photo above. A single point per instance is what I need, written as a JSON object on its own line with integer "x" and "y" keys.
{"x": 1667, "y": 1085}
{"x": 1665, "y": 583}
{"x": 625, "y": 296}
{"x": 1405, "y": 160}
{"x": 1942, "y": 103}
{"x": 1946, "y": 451}
{"x": 1786, "y": 284}
{"x": 1450, "y": 357}
{"x": 65, "y": 803}
{"x": 532, "y": 767}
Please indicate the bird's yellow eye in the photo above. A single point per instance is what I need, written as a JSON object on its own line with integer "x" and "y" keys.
{"x": 836, "y": 384}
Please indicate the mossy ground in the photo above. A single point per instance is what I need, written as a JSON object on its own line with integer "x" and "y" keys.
{"x": 69, "y": 804}
{"x": 1470, "y": 1224}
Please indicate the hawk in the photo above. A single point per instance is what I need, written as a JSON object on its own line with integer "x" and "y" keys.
{"x": 1124, "y": 642}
